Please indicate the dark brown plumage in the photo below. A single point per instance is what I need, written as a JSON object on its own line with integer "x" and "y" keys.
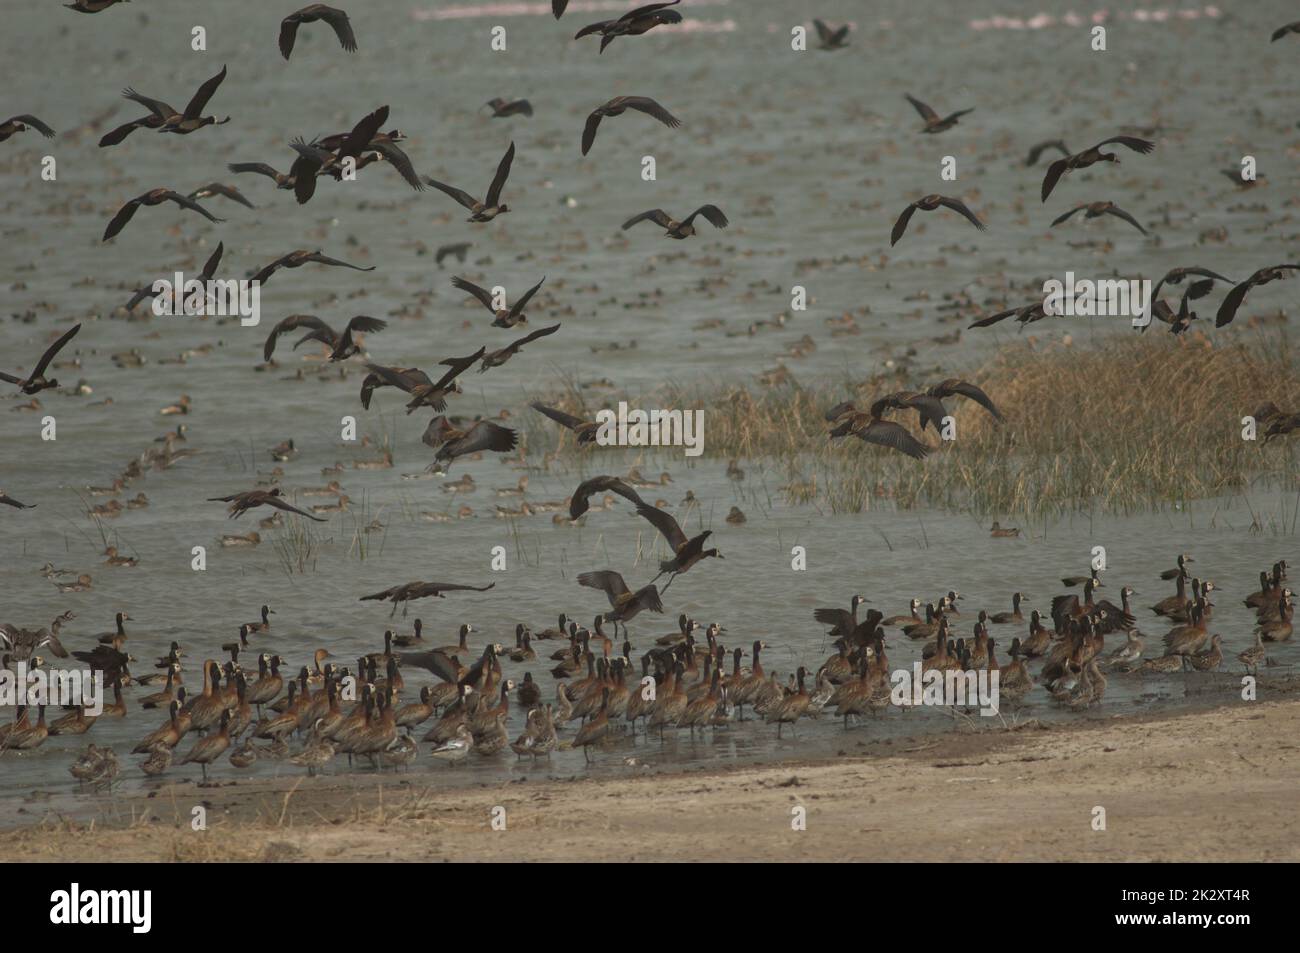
{"x": 686, "y": 227}
{"x": 452, "y": 442}
{"x": 581, "y": 498}
{"x": 312, "y": 13}
{"x": 633, "y": 23}
{"x": 499, "y": 357}
{"x": 16, "y": 124}
{"x": 151, "y": 198}
{"x": 1081, "y": 160}
{"x": 1235, "y": 297}
{"x": 501, "y": 317}
{"x": 585, "y": 430}
{"x": 492, "y": 206}
{"x": 928, "y": 204}
{"x": 933, "y": 123}
{"x": 1097, "y": 209}
{"x": 35, "y": 381}
{"x": 413, "y": 381}
{"x": 619, "y": 105}
{"x": 242, "y": 502}
{"x": 300, "y": 257}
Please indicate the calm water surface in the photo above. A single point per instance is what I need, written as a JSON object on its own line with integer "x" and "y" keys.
{"x": 811, "y": 155}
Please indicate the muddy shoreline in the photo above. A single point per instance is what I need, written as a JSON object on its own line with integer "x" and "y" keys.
{"x": 1211, "y": 785}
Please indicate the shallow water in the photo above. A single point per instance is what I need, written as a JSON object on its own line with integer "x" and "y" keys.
{"x": 812, "y": 157}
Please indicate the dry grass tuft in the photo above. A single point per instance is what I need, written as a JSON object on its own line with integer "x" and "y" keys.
{"x": 1130, "y": 424}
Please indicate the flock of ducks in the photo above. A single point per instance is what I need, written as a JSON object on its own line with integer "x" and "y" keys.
{"x": 688, "y": 680}
{"x": 685, "y": 680}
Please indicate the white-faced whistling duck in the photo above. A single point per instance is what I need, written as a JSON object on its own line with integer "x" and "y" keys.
{"x": 35, "y": 381}
{"x": 686, "y": 551}
{"x": 168, "y": 735}
{"x": 501, "y": 317}
{"x": 413, "y": 381}
{"x": 209, "y": 749}
{"x": 421, "y": 590}
{"x": 1180, "y": 569}
{"x": 191, "y": 120}
{"x": 341, "y": 346}
{"x": 1268, "y": 590}
{"x": 1175, "y": 602}
{"x": 1235, "y": 297}
{"x": 929, "y": 203}
{"x": 680, "y": 229}
{"x": 302, "y": 256}
{"x": 502, "y": 108}
{"x": 842, "y": 621}
{"x": 151, "y": 198}
{"x": 312, "y": 13}
{"x": 282, "y": 180}
{"x": 871, "y": 428}
{"x": 492, "y": 206}
{"x": 1098, "y": 209}
{"x": 580, "y": 501}
{"x": 316, "y": 157}
{"x": 791, "y": 708}
{"x": 625, "y": 604}
{"x": 1190, "y": 637}
{"x": 619, "y": 105}
{"x": 556, "y": 632}
{"x": 1278, "y": 629}
{"x": 242, "y": 502}
{"x": 205, "y": 275}
{"x": 1175, "y": 276}
{"x": 452, "y": 442}
{"x": 1039, "y": 637}
{"x": 1002, "y": 618}
{"x": 933, "y": 123}
{"x": 831, "y": 39}
{"x": 1027, "y": 314}
{"x": 633, "y": 23}
{"x": 499, "y": 357}
{"x": 407, "y": 641}
{"x": 16, "y": 124}
{"x": 529, "y": 693}
{"x": 908, "y": 618}
{"x": 1091, "y": 156}
{"x": 929, "y": 405}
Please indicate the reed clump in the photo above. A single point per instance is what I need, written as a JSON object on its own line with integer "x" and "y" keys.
{"x": 1133, "y": 423}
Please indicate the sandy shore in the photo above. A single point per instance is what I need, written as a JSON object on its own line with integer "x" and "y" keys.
{"x": 1213, "y": 785}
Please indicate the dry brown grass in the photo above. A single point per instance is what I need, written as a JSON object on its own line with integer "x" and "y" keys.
{"x": 1133, "y": 423}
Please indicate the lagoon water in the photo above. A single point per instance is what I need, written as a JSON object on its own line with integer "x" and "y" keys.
{"x": 811, "y": 155}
